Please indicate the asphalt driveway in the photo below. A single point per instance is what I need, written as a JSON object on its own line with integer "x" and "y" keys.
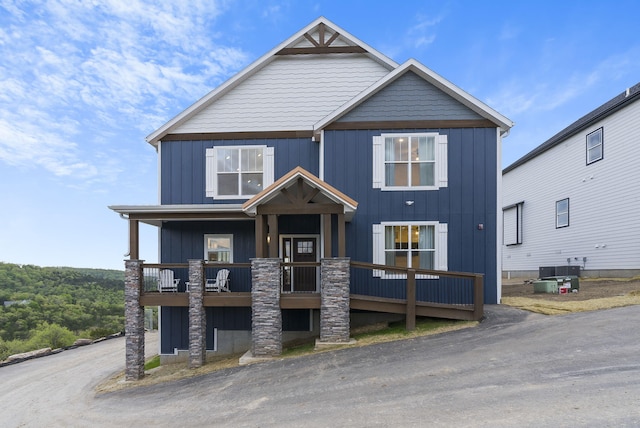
{"x": 515, "y": 369}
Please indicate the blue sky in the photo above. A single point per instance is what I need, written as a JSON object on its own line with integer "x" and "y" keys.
{"x": 83, "y": 82}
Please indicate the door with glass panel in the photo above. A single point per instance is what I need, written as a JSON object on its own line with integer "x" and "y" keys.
{"x": 299, "y": 249}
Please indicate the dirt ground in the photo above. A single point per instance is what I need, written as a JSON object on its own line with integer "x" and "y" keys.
{"x": 596, "y": 288}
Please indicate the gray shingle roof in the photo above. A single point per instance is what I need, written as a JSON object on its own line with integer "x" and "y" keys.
{"x": 628, "y": 96}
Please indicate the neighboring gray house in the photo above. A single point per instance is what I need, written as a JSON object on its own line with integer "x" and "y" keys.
{"x": 575, "y": 199}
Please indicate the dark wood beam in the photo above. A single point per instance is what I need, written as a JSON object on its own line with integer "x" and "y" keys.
{"x": 300, "y": 301}
{"x": 412, "y": 124}
{"x": 261, "y": 237}
{"x": 260, "y": 135}
{"x": 321, "y": 50}
{"x": 134, "y": 239}
{"x": 311, "y": 39}
{"x": 306, "y": 209}
{"x": 311, "y": 195}
{"x": 189, "y": 216}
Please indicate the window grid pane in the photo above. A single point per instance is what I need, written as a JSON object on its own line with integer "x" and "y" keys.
{"x": 410, "y": 161}
{"x": 410, "y": 246}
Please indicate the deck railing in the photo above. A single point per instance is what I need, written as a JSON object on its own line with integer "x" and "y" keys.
{"x": 415, "y": 292}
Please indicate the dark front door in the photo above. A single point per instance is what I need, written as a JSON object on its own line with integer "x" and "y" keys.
{"x": 300, "y": 250}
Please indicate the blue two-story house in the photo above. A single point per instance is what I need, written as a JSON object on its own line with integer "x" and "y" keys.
{"x": 323, "y": 148}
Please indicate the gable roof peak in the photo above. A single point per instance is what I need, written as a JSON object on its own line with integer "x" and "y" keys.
{"x": 321, "y": 35}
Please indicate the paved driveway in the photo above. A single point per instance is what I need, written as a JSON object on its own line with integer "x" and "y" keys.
{"x": 515, "y": 369}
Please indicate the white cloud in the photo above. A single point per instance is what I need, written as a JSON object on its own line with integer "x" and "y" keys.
{"x": 73, "y": 71}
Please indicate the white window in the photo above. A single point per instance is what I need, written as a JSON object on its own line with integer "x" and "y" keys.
{"x": 218, "y": 248}
{"x": 238, "y": 172}
{"x": 512, "y": 224}
{"x": 595, "y": 146}
{"x": 418, "y": 245}
{"x": 562, "y": 213}
{"x": 410, "y": 161}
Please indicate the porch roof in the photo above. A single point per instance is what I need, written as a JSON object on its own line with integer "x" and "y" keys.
{"x": 300, "y": 187}
{"x": 156, "y": 214}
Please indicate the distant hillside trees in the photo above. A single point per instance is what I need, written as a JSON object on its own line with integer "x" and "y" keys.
{"x": 48, "y": 307}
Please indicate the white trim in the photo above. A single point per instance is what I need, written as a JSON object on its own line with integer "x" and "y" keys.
{"x": 321, "y": 160}
{"x": 440, "y": 260}
{"x": 211, "y": 173}
{"x": 218, "y": 235}
{"x": 440, "y": 172}
{"x": 499, "y": 224}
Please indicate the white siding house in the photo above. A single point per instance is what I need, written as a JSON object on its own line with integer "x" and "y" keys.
{"x": 575, "y": 199}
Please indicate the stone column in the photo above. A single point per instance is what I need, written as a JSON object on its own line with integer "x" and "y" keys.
{"x": 334, "y": 300}
{"x": 197, "y": 315}
{"x": 266, "y": 316}
{"x": 133, "y": 321}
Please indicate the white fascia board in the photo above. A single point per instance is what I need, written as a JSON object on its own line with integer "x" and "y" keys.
{"x": 203, "y": 102}
{"x": 171, "y": 209}
{"x": 430, "y": 76}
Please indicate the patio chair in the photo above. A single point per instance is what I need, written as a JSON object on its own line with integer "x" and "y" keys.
{"x": 221, "y": 283}
{"x": 166, "y": 282}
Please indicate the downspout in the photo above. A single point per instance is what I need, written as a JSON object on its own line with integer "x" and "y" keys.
{"x": 128, "y": 253}
{"x": 499, "y": 220}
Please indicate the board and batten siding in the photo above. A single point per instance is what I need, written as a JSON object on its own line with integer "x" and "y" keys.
{"x": 292, "y": 92}
{"x": 604, "y": 201}
{"x": 470, "y": 199}
{"x": 410, "y": 98}
{"x": 183, "y": 172}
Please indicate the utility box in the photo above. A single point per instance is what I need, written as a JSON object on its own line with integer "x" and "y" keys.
{"x": 547, "y": 271}
{"x": 548, "y": 286}
{"x": 573, "y": 282}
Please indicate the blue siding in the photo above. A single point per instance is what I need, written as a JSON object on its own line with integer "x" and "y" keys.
{"x": 410, "y": 98}
{"x": 469, "y": 200}
{"x": 183, "y": 165}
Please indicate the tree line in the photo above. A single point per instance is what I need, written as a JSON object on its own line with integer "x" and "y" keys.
{"x": 53, "y": 306}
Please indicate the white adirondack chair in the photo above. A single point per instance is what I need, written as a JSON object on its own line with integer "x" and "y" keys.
{"x": 221, "y": 283}
{"x": 166, "y": 281}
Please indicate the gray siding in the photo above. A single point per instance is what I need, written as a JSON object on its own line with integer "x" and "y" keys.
{"x": 410, "y": 98}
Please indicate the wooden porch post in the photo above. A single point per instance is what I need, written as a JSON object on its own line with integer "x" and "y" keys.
{"x": 327, "y": 235}
{"x": 411, "y": 300}
{"x": 478, "y": 297}
{"x": 273, "y": 236}
{"x": 261, "y": 237}
{"x": 342, "y": 252}
{"x": 134, "y": 239}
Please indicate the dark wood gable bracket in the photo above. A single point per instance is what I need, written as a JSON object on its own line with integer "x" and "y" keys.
{"x": 321, "y": 46}
{"x": 299, "y": 198}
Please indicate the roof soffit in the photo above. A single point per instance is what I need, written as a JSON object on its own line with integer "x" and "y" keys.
{"x": 320, "y": 30}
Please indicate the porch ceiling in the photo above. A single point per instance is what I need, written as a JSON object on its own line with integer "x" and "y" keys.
{"x": 155, "y": 215}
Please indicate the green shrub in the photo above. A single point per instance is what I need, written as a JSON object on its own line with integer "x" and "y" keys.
{"x": 51, "y": 336}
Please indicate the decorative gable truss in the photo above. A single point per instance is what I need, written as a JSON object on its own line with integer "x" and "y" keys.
{"x": 321, "y": 41}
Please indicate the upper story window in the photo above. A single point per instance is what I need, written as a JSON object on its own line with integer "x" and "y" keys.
{"x": 238, "y": 172}
{"x": 595, "y": 146}
{"x": 410, "y": 161}
{"x": 512, "y": 223}
{"x": 218, "y": 248}
{"x": 562, "y": 213}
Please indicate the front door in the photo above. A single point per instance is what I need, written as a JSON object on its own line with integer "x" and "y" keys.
{"x": 299, "y": 249}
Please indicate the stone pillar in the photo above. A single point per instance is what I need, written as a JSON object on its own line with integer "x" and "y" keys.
{"x": 266, "y": 316}
{"x": 334, "y": 300}
{"x": 197, "y": 315}
{"x": 133, "y": 321}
